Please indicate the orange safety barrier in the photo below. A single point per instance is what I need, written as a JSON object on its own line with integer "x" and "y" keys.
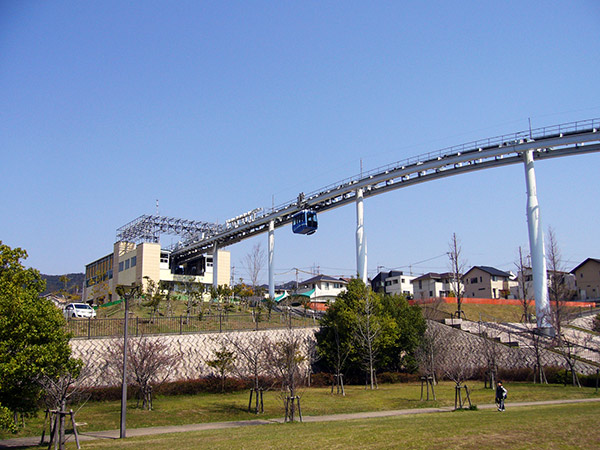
{"x": 493, "y": 301}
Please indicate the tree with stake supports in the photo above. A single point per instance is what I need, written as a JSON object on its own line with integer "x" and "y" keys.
{"x": 252, "y": 353}
{"x": 285, "y": 364}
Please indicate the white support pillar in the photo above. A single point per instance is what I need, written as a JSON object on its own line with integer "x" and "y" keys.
{"x": 271, "y": 259}
{"x": 361, "y": 244}
{"x": 215, "y": 254}
{"x": 537, "y": 249}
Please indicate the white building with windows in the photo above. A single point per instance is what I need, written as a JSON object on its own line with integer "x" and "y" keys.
{"x": 132, "y": 263}
{"x": 322, "y": 288}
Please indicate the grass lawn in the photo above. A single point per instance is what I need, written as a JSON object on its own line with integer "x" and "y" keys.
{"x": 177, "y": 410}
{"x": 541, "y": 427}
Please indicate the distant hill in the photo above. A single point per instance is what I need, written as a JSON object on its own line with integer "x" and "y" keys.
{"x": 74, "y": 285}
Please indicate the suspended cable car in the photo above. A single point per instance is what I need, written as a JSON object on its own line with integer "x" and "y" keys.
{"x": 305, "y": 222}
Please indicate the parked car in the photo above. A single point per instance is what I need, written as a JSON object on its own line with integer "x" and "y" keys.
{"x": 79, "y": 310}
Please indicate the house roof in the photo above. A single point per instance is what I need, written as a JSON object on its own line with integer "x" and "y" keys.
{"x": 319, "y": 278}
{"x": 585, "y": 262}
{"x": 490, "y": 270}
{"x": 383, "y": 275}
{"x": 433, "y": 276}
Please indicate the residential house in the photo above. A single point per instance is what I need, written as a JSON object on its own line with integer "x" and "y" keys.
{"x": 487, "y": 282}
{"x": 432, "y": 285}
{"x": 322, "y": 288}
{"x": 393, "y": 282}
{"x": 516, "y": 290}
{"x": 587, "y": 279}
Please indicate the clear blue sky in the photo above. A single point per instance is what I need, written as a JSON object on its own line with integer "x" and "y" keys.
{"x": 216, "y": 108}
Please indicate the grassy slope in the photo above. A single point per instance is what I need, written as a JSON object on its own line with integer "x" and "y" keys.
{"x": 542, "y": 427}
{"x": 315, "y": 401}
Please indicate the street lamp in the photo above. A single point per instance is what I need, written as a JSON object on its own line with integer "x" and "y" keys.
{"x": 125, "y": 292}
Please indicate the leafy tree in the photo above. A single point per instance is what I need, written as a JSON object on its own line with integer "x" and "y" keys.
{"x": 154, "y": 294}
{"x": 223, "y": 363}
{"x": 33, "y": 338}
{"x": 368, "y": 331}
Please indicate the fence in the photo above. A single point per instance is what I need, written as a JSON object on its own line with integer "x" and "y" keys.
{"x": 208, "y": 323}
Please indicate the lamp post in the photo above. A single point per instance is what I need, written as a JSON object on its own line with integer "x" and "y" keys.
{"x": 125, "y": 292}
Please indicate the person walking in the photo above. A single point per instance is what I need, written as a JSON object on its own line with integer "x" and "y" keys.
{"x": 500, "y": 396}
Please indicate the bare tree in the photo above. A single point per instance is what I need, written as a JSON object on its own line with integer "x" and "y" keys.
{"x": 558, "y": 293}
{"x": 538, "y": 346}
{"x": 285, "y": 365}
{"x": 342, "y": 351}
{"x": 366, "y": 335}
{"x": 429, "y": 352}
{"x": 253, "y": 352}
{"x": 149, "y": 363}
{"x": 458, "y": 360}
{"x": 491, "y": 354}
{"x": 457, "y": 269}
{"x": 69, "y": 386}
{"x": 255, "y": 261}
{"x": 522, "y": 269}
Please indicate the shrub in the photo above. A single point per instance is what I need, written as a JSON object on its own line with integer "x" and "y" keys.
{"x": 321, "y": 379}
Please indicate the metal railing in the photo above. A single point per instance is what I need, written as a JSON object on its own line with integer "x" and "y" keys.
{"x": 208, "y": 323}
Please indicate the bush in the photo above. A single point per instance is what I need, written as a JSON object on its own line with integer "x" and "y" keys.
{"x": 397, "y": 377}
{"x": 209, "y": 384}
{"x": 321, "y": 379}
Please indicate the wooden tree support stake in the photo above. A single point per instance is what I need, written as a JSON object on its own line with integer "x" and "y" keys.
{"x": 458, "y": 400}
{"x": 429, "y": 382}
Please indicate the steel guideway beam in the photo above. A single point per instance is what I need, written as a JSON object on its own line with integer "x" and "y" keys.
{"x": 560, "y": 140}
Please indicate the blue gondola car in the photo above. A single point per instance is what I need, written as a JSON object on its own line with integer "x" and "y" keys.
{"x": 305, "y": 222}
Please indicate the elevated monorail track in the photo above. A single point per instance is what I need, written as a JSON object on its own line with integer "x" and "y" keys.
{"x": 549, "y": 142}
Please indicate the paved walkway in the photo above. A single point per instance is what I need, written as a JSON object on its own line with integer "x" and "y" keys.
{"x": 114, "y": 434}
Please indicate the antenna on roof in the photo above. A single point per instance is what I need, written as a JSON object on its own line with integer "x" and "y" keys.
{"x": 157, "y": 208}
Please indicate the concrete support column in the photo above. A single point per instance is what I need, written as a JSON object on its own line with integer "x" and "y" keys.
{"x": 361, "y": 244}
{"x": 271, "y": 259}
{"x": 537, "y": 249}
{"x": 215, "y": 254}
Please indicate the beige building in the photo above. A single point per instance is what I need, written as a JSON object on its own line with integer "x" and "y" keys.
{"x": 487, "y": 282}
{"x": 432, "y": 285}
{"x": 135, "y": 263}
{"x": 587, "y": 279}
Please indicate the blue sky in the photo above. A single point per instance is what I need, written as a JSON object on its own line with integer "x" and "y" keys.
{"x": 216, "y": 108}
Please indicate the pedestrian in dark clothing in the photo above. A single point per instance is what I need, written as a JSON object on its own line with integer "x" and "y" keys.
{"x": 500, "y": 396}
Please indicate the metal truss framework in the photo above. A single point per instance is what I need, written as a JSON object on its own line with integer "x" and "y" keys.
{"x": 549, "y": 142}
{"x": 149, "y": 228}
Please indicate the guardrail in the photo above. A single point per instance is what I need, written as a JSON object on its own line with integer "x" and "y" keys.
{"x": 208, "y": 323}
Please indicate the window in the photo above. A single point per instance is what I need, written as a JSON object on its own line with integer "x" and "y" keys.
{"x": 474, "y": 280}
{"x": 121, "y": 264}
{"x": 126, "y": 264}
{"x": 133, "y": 261}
